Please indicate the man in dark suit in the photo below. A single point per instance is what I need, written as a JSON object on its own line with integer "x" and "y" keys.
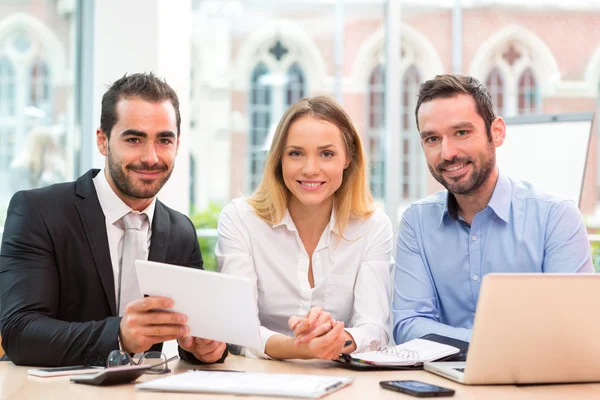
{"x": 63, "y": 268}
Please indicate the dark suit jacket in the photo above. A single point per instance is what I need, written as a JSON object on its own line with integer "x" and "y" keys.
{"x": 56, "y": 278}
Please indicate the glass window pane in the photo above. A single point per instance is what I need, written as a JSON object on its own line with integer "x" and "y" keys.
{"x": 528, "y": 93}
{"x": 495, "y": 85}
{"x": 376, "y": 131}
{"x": 38, "y": 122}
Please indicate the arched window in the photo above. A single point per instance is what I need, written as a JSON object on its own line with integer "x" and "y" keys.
{"x": 277, "y": 82}
{"x": 376, "y": 131}
{"x": 7, "y": 113}
{"x": 260, "y": 121}
{"x": 7, "y": 88}
{"x": 413, "y": 164}
{"x": 529, "y": 101}
{"x": 495, "y": 85}
{"x": 39, "y": 88}
{"x": 294, "y": 88}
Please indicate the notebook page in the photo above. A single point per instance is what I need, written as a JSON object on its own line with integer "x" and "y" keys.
{"x": 294, "y": 385}
{"x": 409, "y": 353}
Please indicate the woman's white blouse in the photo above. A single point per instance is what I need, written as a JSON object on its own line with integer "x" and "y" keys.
{"x": 352, "y": 275}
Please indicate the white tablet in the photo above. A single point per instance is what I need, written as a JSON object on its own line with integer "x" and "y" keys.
{"x": 218, "y": 306}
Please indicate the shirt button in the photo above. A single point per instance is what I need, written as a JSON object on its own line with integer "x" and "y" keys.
{"x": 473, "y": 237}
{"x": 475, "y": 277}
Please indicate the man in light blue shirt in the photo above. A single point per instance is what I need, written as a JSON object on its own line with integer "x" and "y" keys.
{"x": 484, "y": 222}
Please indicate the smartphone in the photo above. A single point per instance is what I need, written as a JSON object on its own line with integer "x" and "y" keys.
{"x": 62, "y": 371}
{"x": 416, "y": 388}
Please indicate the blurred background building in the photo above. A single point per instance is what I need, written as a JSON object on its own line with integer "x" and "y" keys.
{"x": 238, "y": 64}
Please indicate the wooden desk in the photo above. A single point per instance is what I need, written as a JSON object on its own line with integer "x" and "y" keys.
{"x": 16, "y": 384}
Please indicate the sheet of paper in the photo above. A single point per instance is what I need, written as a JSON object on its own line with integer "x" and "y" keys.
{"x": 289, "y": 385}
{"x": 218, "y": 306}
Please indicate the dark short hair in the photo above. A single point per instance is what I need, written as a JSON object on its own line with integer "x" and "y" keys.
{"x": 448, "y": 85}
{"x": 145, "y": 86}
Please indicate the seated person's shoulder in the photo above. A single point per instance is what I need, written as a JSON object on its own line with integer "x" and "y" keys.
{"x": 379, "y": 217}
{"x": 238, "y": 205}
{"x": 239, "y": 209}
{"x": 177, "y": 218}
{"x": 49, "y": 197}
{"x": 437, "y": 199}
{"x": 430, "y": 206}
{"x": 526, "y": 192}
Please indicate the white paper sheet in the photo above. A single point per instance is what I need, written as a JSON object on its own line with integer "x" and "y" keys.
{"x": 257, "y": 384}
{"x": 218, "y": 306}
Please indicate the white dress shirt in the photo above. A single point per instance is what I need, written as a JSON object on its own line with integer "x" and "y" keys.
{"x": 114, "y": 209}
{"x": 352, "y": 278}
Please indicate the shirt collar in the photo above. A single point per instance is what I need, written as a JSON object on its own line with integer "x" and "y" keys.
{"x": 113, "y": 207}
{"x": 288, "y": 222}
{"x": 499, "y": 202}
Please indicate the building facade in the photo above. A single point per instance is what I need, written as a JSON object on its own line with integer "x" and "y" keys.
{"x": 253, "y": 59}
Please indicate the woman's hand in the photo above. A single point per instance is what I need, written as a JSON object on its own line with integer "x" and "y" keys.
{"x": 314, "y": 324}
{"x": 328, "y": 345}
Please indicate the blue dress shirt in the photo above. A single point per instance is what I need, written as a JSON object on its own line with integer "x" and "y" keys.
{"x": 440, "y": 259}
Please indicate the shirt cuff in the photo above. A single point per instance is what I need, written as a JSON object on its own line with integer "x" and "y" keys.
{"x": 265, "y": 334}
{"x": 365, "y": 339}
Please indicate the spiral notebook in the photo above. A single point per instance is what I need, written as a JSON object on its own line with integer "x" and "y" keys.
{"x": 414, "y": 352}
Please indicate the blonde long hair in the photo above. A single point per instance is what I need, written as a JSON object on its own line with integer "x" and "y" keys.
{"x": 353, "y": 199}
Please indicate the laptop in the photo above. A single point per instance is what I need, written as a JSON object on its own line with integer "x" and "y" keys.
{"x": 532, "y": 328}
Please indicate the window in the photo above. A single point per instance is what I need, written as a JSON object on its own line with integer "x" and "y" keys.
{"x": 276, "y": 83}
{"x": 39, "y": 87}
{"x": 529, "y": 102}
{"x": 7, "y": 121}
{"x": 38, "y": 118}
{"x": 495, "y": 85}
{"x": 412, "y": 157}
{"x": 511, "y": 80}
{"x": 376, "y": 131}
{"x": 413, "y": 164}
{"x": 260, "y": 121}
{"x": 295, "y": 85}
{"x": 7, "y": 88}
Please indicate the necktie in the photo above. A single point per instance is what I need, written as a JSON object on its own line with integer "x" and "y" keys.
{"x": 135, "y": 247}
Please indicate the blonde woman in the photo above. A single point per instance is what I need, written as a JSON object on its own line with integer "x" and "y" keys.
{"x": 313, "y": 241}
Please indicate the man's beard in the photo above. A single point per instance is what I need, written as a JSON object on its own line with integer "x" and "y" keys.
{"x": 125, "y": 184}
{"x": 478, "y": 176}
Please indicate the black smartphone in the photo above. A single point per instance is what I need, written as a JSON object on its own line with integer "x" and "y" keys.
{"x": 416, "y": 388}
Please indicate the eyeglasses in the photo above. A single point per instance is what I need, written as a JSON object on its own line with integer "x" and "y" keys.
{"x": 157, "y": 360}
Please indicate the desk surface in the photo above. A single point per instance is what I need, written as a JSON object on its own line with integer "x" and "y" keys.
{"x": 16, "y": 384}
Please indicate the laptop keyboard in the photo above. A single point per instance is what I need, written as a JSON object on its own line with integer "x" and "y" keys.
{"x": 460, "y": 370}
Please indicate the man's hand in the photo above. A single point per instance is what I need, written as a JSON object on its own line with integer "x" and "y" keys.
{"x": 205, "y": 350}
{"x": 144, "y": 325}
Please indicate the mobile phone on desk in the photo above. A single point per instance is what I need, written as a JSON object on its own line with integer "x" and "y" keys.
{"x": 63, "y": 371}
{"x": 416, "y": 388}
